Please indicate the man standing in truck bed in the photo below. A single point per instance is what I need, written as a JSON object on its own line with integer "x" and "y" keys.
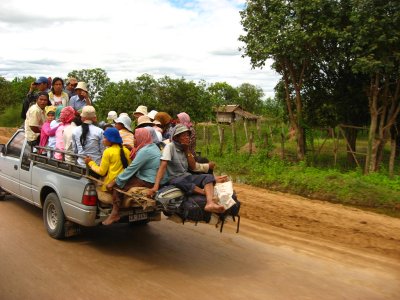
{"x": 35, "y": 118}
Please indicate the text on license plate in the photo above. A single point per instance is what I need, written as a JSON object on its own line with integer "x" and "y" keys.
{"x": 137, "y": 217}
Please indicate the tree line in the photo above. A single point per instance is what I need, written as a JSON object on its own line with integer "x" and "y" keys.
{"x": 339, "y": 62}
{"x": 172, "y": 95}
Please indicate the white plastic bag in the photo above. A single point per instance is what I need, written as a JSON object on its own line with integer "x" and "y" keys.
{"x": 224, "y": 191}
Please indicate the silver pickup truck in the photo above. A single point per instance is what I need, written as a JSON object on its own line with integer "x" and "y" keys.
{"x": 64, "y": 191}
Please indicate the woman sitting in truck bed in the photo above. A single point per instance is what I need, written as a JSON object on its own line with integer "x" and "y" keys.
{"x": 115, "y": 159}
{"x": 143, "y": 169}
{"x": 87, "y": 138}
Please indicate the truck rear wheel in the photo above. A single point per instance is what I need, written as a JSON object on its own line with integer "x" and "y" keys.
{"x": 2, "y": 194}
{"x": 53, "y": 217}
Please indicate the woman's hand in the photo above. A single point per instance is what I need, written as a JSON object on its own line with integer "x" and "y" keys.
{"x": 150, "y": 192}
{"x": 87, "y": 159}
{"x": 110, "y": 185}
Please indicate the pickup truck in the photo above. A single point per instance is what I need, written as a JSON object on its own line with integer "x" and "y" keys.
{"x": 65, "y": 191}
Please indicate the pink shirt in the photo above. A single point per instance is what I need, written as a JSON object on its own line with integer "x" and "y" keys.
{"x": 59, "y": 142}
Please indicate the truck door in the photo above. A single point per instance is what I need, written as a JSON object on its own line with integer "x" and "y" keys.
{"x": 10, "y": 163}
{"x": 25, "y": 175}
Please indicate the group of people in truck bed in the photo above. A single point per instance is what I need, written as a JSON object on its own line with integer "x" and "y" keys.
{"x": 157, "y": 151}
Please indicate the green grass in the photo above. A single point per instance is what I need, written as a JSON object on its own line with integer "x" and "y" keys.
{"x": 10, "y": 117}
{"x": 317, "y": 177}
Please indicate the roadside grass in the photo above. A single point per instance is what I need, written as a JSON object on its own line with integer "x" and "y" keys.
{"x": 10, "y": 117}
{"x": 317, "y": 177}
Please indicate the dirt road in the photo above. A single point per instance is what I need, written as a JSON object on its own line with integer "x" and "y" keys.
{"x": 164, "y": 260}
{"x": 289, "y": 247}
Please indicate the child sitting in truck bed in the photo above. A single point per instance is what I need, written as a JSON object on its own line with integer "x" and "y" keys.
{"x": 114, "y": 160}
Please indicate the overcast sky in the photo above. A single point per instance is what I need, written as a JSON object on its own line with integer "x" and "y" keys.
{"x": 191, "y": 39}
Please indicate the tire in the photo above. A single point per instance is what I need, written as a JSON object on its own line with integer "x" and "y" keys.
{"x": 53, "y": 217}
{"x": 2, "y": 194}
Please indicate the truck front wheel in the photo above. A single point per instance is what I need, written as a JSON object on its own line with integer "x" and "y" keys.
{"x": 53, "y": 217}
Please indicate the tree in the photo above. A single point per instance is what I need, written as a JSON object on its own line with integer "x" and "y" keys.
{"x": 290, "y": 33}
{"x": 96, "y": 79}
{"x": 250, "y": 97}
{"x": 222, "y": 93}
{"x": 178, "y": 95}
{"x": 376, "y": 33}
{"x": 120, "y": 97}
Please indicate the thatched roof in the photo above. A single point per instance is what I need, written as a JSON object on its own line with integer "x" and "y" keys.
{"x": 236, "y": 109}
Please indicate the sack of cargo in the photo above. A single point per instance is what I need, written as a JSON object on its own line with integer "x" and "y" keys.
{"x": 170, "y": 199}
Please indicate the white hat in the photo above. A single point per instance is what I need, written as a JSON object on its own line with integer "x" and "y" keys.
{"x": 88, "y": 111}
{"x": 112, "y": 115}
{"x": 141, "y": 110}
{"x": 124, "y": 120}
{"x": 82, "y": 86}
{"x": 152, "y": 114}
{"x": 123, "y": 114}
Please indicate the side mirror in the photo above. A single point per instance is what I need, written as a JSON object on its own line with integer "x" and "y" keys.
{"x": 2, "y": 148}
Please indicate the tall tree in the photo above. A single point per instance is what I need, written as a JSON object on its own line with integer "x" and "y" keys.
{"x": 376, "y": 32}
{"x": 250, "y": 97}
{"x": 223, "y": 93}
{"x": 120, "y": 97}
{"x": 290, "y": 33}
{"x": 96, "y": 79}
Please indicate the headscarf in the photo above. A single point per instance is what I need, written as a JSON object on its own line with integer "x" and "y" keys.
{"x": 163, "y": 117}
{"x": 58, "y": 111}
{"x": 153, "y": 134}
{"x": 184, "y": 119}
{"x": 67, "y": 115}
{"x": 142, "y": 138}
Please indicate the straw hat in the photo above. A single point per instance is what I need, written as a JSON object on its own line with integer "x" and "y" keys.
{"x": 141, "y": 110}
{"x": 81, "y": 86}
{"x": 144, "y": 121}
{"x": 88, "y": 112}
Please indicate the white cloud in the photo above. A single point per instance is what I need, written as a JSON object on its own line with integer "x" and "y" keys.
{"x": 194, "y": 39}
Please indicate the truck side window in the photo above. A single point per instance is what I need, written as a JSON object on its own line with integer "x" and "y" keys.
{"x": 15, "y": 145}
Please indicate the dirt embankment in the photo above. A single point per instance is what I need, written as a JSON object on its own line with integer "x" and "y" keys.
{"x": 6, "y": 133}
{"x": 313, "y": 219}
{"x": 316, "y": 219}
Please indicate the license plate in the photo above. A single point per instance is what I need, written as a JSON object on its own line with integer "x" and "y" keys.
{"x": 137, "y": 217}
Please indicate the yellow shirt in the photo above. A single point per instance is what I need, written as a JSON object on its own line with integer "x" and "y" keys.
{"x": 110, "y": 164}
{"x": 34, "y": 117}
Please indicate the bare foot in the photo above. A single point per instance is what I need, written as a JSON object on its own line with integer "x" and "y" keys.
{"x": 214, "y": 208}
{"x": 221, "y": 179}
{"x": 111, "y": 219}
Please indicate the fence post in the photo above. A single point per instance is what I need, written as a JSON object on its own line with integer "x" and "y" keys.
{"x": 251, "y": 143}
{"x": 270, "y": 133}
{"x": 234, "y": 139}
{"x": 283, "y": 145}
{"x": 204, "y": 134}
{"x": 265, "y": 140}
{"x": 245, "y": 130}
{"x": 258, "y": 129}
{"x": 221, "y": 141}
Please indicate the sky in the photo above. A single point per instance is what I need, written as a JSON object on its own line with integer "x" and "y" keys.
{"x": 196, "y": 40}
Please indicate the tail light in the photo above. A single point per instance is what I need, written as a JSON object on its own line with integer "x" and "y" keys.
{"x": 89, "y": 197}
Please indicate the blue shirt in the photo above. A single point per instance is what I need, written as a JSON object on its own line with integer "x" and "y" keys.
{"x": 76, "y": 102}
{"x": 144, "y": 166}
{"x": 93, "y": 147}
